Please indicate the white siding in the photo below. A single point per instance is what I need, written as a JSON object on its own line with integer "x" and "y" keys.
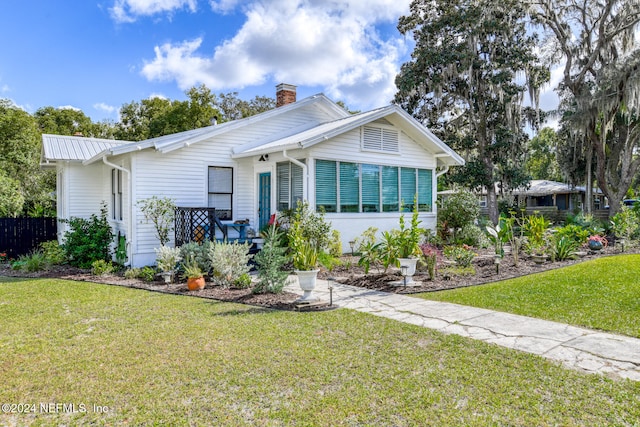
{"x": 347, "y": 147}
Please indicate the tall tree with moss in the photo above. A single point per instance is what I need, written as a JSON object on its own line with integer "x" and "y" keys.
{"x": 601, "y": 80}
{"x": 542, "y": 157}
{"x": 463, "y": 82}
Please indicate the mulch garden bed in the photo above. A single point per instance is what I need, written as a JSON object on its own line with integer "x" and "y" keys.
{"x": 352, "y": 274}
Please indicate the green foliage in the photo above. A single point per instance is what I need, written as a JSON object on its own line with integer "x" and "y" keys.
{"x": 431, "y": 255}
{"x": 11, "y": 197}
{"x": 53, "y": 252}
{"x": 191, "y": 268}
{"x": 563, "y": 248}
{"x": 34, "y": 261}
{"x": 229, "y": 261}
{"x": 147, "y": 273}
{"x": 101, "y": 267}
{"x": 132, "y": 273}
{"x": 198, "y": 252}
{"x": 308, "y": 235}
{"x": 121, "y": 250}
{"x": 167, "y": 258}
{"x": 328, "y": 261}
{"x": 463, "y": 82}
{"x": 366, "y": 239}
{"x": 535, "y": 228}
{"x": 542, "y": 160}
{"x": 625, "y": 224}
{"x": 88, "y": 240}
{"x": 370, "y": 255}
{"x": 270, "y": 262}
{"x": 335, "y": 244}
{"x": 462, "y": 255}
{"x": 161, "y": 212}
{"x": 574, "y": 233}
{"x": 456, "y": 212}
{"x": 243, "y": 282}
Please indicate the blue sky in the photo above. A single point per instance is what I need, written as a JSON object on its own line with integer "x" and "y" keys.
{"x": 96, "y": 55}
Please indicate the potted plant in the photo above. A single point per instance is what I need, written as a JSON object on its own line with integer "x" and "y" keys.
{"x": 194, "y": 275}
{"x": 304, "y": 250}
{"x": 405, "y": 244}
{"x": 167, "y": 260}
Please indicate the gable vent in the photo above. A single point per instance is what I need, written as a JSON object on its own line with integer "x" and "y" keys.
{"x": 380, "y": 139}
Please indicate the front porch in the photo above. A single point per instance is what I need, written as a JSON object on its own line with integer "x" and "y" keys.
{"x": 200, "y": 224}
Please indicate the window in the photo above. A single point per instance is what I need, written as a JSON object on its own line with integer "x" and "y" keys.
{"x": 221, "y": 191}
{"x": 327, "y": 199}
{"x": 116, "y": 194}
{"x": 380, "y": 139}
{"x": 353, "y": 187}
{"x": 349, "y": 187}
{"x": 370, "y": 188}
{"x": 289, "y": 183}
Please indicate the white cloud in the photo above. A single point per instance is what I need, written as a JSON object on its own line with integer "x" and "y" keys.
{"x": 127, "y": 11}
{"x": 5, "y": 88}
{"x": 68, "y": 107}
{"x": 101, "y": 106}
{"x": 332, "y": 44}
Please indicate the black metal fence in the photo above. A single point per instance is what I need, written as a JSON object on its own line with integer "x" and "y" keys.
{"x": 19, "y": 236}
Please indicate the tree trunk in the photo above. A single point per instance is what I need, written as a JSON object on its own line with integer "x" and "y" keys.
{"x": 492, "y": 204}
{"x": 588, "y": 202}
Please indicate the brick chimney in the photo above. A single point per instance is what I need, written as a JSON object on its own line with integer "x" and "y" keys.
{"x": 285, "y": 94}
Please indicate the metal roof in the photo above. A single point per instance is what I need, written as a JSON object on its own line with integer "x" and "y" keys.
{"x": 62, "y": 147}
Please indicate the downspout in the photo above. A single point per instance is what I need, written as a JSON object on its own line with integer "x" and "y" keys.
{"x": 129, "y": 219}
{"x": 442, "y": 172}
{"x": 305, "y": 173}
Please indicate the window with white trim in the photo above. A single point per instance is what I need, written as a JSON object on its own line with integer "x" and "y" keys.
{"x": 289, "y": 185}
{"x": 353, "y": 187}
{"x": 221, "y": 191}
{"x": 116, "y": 194}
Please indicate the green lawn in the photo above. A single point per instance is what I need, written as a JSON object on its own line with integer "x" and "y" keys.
{"x": 600, "y": 294}
{"x": 157, "y": 359}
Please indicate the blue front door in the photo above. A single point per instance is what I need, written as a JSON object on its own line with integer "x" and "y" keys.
{"x": 264, "y": 202}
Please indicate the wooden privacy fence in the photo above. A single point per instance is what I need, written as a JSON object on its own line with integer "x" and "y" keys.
{"x": 19, "y": 236}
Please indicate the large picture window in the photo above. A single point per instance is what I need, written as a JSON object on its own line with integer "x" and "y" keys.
{"x": 352, "y": 187}
{"x": 289, "y": 184}
{"x": 221, "y": 191}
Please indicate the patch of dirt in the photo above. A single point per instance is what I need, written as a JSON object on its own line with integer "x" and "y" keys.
{"x": 350, "y": 274}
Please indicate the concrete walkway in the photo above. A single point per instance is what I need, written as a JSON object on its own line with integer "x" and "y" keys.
{"x": 578, "y": 348}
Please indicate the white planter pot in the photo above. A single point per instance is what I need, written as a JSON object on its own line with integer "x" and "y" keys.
{"x": 411, "y": 263}
{"x": 307, "y": 282}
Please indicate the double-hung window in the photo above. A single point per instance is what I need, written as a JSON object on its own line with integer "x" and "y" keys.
{"x": 221, "y": 191}
{"x": 353, "y": 187}
{"x": 116, "y": 194}
{"x": 289, "y": 185}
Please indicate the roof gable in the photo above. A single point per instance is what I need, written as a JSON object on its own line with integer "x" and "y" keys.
{"x": 63, "y": 147}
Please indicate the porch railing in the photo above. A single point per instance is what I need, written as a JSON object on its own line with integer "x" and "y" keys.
{"x": 197, "y": 225}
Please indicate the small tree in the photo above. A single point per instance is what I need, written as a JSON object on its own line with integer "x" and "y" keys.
{"x": 270, "y": 261}
{"x": 457, "y": 211}
{"x": 161, "y": 212}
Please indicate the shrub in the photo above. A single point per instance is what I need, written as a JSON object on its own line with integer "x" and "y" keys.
{"x": 366, "y": 239}
{"x": 573, "y": 232}
{"x": 200, "y": 253}
{"x": 431, "y": 256}
{"x": 132, "y": 273}
{"x": 313, "y": 226}
{"x": 270, "y": 261}
{"x": 147, "y": 273}
{"x": 457, "y": 211}
{"x": 101, "y": 267}
{"x": 335, "y": 244}
{"x": 624, "y": 224}
{"x": 88, "y": 240}
{"x": 472, "y": 235}
{"x": 461, "y": 255}
{"x": 243, "y": 282}
{"x": 34, "y": 261}
{"x": 563, "y": 248}
{"x": 370, "y": 255}
{"x": 167, "y": 258}
{"x": 53, "y": 252}
{"x": 229, "y": 262}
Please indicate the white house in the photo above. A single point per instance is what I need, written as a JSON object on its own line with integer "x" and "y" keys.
{"x": 359, "y": 168}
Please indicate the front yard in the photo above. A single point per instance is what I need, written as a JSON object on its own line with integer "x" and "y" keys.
{"x": 140, "y": 358}
{"x": 602, "y": 293}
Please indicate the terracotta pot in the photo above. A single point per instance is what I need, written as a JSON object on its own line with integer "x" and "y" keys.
{"x": 195, "y": 283}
